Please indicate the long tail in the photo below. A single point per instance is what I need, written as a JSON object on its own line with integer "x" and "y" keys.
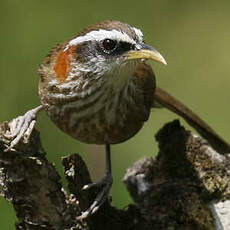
{"x": 217, "y": 142}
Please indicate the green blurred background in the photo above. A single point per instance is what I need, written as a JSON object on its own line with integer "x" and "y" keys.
{"x": 193, "y": 36}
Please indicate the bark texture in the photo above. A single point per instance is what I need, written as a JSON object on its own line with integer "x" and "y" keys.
{"x": 187, "y": 186}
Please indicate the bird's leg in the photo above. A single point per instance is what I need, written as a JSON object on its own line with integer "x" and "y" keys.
{"x": 22, "y": 127}
{"x": 105, "y": 184}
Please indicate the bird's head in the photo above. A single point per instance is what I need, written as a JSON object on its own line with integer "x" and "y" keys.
{"x": 101, "y": 49}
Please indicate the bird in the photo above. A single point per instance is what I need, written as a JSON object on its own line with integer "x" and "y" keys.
{"x": 99, "y": 88}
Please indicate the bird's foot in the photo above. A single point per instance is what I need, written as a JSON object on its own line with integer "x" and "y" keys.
{"x": 22, "y": 127}
{"x": 104, "y": 184}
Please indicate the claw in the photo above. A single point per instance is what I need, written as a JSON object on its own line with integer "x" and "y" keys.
{"x": 28, "y": 132}
{"x": 85, "y": 187}
{"x": 95, "y": 209}
{"x": 15, "y": 124}
{"x": 105, "y": 183}
{"x": 94, "y": 184}
{"x": 22, "y": 127}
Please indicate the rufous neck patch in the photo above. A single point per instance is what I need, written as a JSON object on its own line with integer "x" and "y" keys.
{"x": 63, "y": 63}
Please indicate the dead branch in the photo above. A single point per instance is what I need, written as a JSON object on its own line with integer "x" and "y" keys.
{"x": 187, "y": 186}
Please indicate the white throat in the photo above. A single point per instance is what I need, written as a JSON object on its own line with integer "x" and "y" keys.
{"x": 120, "y": 75}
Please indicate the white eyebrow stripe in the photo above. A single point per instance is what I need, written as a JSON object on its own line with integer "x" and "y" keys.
{"x": 139, "y": 34}
{"x": 100, "y": 35}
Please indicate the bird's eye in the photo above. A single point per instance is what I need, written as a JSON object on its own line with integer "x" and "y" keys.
{"x": 109, "y": 44}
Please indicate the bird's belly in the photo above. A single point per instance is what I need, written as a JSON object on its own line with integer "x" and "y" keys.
{"x": 98, "y": 131}
{"x": 100, "y": 127}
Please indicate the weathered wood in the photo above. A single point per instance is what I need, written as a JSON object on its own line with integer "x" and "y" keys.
{"x": 186, "y": 187}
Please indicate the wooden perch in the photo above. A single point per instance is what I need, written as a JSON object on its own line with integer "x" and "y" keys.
{"x": 186, "y": 187}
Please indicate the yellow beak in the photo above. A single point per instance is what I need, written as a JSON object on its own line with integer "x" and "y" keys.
{"x": 146, "y": 52}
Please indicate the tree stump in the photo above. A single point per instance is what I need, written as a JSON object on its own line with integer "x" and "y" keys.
{"x": 186, "y": 187}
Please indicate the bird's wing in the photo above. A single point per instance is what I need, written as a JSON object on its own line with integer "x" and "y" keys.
{"x": 163, "y": 98}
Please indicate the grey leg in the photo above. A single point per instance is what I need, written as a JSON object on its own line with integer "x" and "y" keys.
{"x": 105, "y": 183}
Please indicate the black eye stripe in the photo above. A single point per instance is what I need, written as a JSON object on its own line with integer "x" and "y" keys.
{"x": 125, "y": 46}
{"x": 113, "y": 47}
